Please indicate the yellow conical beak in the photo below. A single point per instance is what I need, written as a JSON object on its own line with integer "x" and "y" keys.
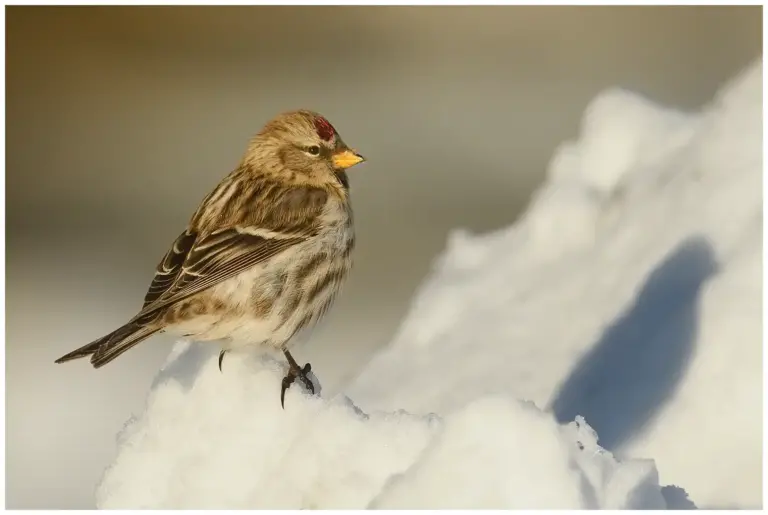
{"x": 347, "y": 159}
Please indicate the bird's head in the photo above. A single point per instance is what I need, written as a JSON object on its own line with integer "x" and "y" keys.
{"x": 303, "y": 146}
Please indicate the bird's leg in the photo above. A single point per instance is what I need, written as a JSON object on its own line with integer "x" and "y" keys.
{"x": 293, "y": 372}
{"x": 221, "y": 358}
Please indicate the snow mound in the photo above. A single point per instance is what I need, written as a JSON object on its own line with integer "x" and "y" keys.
{"x": 630, "y": 293}
{"x": 221, "y": 440}
{"x": 627, "y": 299}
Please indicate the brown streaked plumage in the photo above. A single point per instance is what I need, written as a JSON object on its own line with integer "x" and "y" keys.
{"x": 264, "y": 255}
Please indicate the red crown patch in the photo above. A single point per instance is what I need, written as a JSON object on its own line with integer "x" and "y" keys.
{"x": 324, "y": 129}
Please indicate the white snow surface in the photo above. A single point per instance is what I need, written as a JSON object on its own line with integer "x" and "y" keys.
{"x": 625, "y": 303}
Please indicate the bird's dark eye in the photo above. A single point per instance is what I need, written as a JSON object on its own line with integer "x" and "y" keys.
{"x": 314, "y": 150}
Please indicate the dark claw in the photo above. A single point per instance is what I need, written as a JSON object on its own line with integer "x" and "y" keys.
{"x": 304, "y": 376}
{"x": 221, "y": 358}
{"x": 287, "y": 380}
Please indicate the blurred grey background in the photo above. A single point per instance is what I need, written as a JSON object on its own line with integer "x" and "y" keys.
{"x": 120, "y": 119}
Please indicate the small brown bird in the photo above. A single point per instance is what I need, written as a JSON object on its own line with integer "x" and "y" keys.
{"x": 264, "y": 255}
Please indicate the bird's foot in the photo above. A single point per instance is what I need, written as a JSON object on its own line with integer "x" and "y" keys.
{"x": 290, "y": 377}
{"x": 221, "y": 358}
{"x": 296, "y": 372}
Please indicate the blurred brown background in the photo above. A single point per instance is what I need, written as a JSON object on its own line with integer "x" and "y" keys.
{"x": 119, "y": 120}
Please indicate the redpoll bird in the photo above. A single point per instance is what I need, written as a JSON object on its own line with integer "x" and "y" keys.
{"x": 262, "y": 257}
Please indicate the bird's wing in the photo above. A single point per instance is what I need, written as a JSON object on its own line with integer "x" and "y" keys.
{"x": 212, "y": 260}
{"x": 202, "y": 258}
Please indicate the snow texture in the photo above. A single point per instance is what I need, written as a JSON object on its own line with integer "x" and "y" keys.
{"x": 210, "y": 440}
{"x": 625, "y": 303}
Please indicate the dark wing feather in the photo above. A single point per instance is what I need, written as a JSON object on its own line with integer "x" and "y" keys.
{"x": 168, "y": 270}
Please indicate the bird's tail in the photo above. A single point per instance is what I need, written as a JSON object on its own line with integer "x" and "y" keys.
{"x": 108, "y": 347}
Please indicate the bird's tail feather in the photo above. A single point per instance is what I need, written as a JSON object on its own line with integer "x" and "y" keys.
{"x": 87, "y": 350}
{"x": 108, "y": 347}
